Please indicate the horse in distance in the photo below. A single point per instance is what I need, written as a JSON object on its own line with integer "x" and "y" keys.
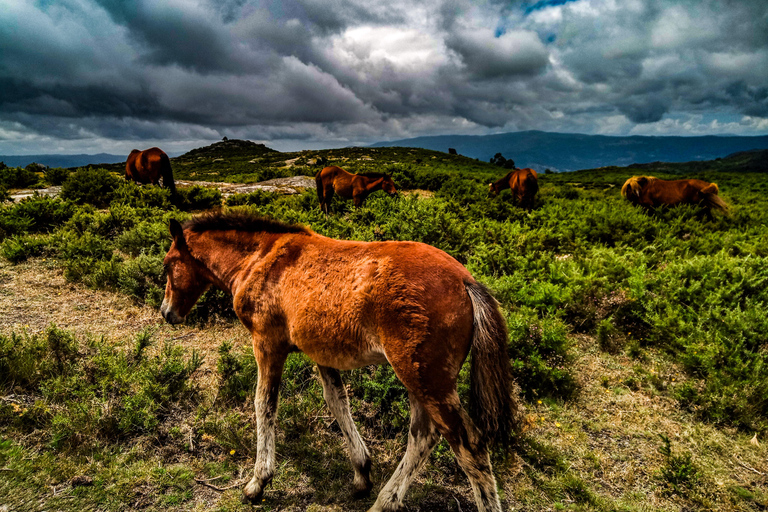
{"x": 149, "y": 166}
{"x": 523, "y": 183}
{"x": 347, "y": 304}
{"x": 350, "y": 186}
{"x": 650, "y": 192}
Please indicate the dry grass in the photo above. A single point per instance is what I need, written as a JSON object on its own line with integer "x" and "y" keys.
{"x": 607, "y": 437}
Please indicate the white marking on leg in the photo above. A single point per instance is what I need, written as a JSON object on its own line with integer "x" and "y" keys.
{"x": 266, "y": 413}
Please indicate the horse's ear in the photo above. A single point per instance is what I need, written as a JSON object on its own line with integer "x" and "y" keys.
{"x": 177, "y": 232}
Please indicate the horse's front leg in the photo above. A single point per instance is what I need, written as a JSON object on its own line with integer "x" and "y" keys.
{"x": 270, "y": 373}
{"x": 336, "y": 397}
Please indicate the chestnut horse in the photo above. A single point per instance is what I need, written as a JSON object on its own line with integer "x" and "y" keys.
{"x": 149, "y": 166}
{"x": 523, "y": 183}
{"x": 348, "y": 304}
{"x": 350, "y": 186}
{"x": 650, "y": 192}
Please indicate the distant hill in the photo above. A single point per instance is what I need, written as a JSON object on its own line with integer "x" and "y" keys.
{"x": 61, "y": 160}
{"x": 571, "y": 151}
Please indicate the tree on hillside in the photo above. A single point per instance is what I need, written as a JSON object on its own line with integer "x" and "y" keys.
{"x": 498, "y": 159}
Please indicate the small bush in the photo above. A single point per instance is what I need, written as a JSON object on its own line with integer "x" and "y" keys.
{"x": 256, "y": 198}
{"x": 540, "y": 357}
{"x": 18, "y": 248}
{"x": 148, "y": 237}
{"x": 43, "y": 212}
{"x": 91, "y": 186}
{"x": 17, "y": 177}
{"x": 93, "y": 393}
{"x": 678, "y": 472}
{"x": 198, "y": 198}
{"x": 238, "y": 374}
{"x": 132, "y": 194}
{"x": 142, "y": 278}
{"x": 56, "y": 175}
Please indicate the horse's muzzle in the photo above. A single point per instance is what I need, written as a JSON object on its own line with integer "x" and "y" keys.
{"x": 169, "y": 314}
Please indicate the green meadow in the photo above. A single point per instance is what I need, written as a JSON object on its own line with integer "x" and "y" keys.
{"x": 638, "y": 340}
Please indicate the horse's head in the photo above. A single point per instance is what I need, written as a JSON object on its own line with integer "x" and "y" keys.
{"x": 187, "y": 278}
{"x": 388, "y": 186}
{"x": 633, "y": 187}
{"x": 493, "y": 189}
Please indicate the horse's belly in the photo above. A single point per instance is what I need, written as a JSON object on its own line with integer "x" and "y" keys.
{"x": 342, "y": 354}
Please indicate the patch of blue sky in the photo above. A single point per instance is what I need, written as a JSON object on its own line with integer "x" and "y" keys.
{"x": 530, "y": 7}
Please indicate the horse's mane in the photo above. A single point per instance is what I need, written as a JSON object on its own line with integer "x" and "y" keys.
{"x": 240, "y": 221}
{"x": 373, "y": 175}
{"x": 634, "y": 185}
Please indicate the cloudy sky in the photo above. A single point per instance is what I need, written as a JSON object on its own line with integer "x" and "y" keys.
{"x": 88, "y": 76}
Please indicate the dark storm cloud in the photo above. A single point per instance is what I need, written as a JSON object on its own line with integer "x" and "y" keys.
{"x": 361, "y": 70}
{"x": 488, "y": 56}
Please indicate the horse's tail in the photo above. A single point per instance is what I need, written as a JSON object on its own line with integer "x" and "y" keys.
{"x": 319, "y": 184}
{"x": 494, "y": 403}
{"x": 167, "y": 174}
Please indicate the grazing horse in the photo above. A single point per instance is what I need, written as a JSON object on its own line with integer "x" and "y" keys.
{"x": 350, "y": 186}
{"x": 523, "y": 183}
{"x": 348, "y": 304}
{"x": 650, "y": 192}
{"x": 149, "y": 166}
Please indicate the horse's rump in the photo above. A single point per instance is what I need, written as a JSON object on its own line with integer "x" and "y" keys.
{"x": 149, "y": 166}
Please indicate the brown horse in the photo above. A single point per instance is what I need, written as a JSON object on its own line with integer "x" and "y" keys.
{"x": 523, "y": 183}
{"x": 350, "y": 186}
{"x": 348, "y": 304}
{"x": 650, "y": 192}
{"x": 149, "y": 166}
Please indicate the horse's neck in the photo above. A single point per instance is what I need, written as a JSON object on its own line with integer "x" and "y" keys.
{"x": 374, "y": 185}
{"x": 223, "y": 254}
{"x": 503, "y": 183}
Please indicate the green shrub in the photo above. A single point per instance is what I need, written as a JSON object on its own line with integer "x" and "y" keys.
{"x": 142, "y": 277}
{"x": 18, "y": 248}
{"x": 132, "y": 194}
{"x": 148, "y": 237}
{"x": 255, "y": 198}
{"x": 93, "y": 392}
{"x": 678, "y": 472}
{"x": 43, "y": 212}
{"x": 539, "y": 351}
{"x": 238, "y": 374}
{"x": 56, "y": 175}
{"x": 90, "y": 186}
{"x": 17, "y": 177}
{"x": 198, "y": 198}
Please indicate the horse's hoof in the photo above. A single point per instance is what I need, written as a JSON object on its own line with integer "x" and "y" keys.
{"x": 362, "y": 492}
{"x": 248, "y": 500}
{"x": 252, "y": 499}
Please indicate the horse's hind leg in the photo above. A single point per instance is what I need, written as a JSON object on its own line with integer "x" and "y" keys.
{"x": 270, "y": 373}
{"x": 470, "y": 450}
{"x": 336, "y": 397}
{"x": 421, "y": 441}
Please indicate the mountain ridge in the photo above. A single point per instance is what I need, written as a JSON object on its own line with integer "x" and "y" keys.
{"x": 562, "y": 152}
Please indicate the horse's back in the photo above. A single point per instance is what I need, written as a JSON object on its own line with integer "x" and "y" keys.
{"x": 338, "y": 180}
{"x": 373, "y": 302}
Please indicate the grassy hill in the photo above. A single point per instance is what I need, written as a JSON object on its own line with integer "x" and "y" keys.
{"x": 637, "y": 340}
